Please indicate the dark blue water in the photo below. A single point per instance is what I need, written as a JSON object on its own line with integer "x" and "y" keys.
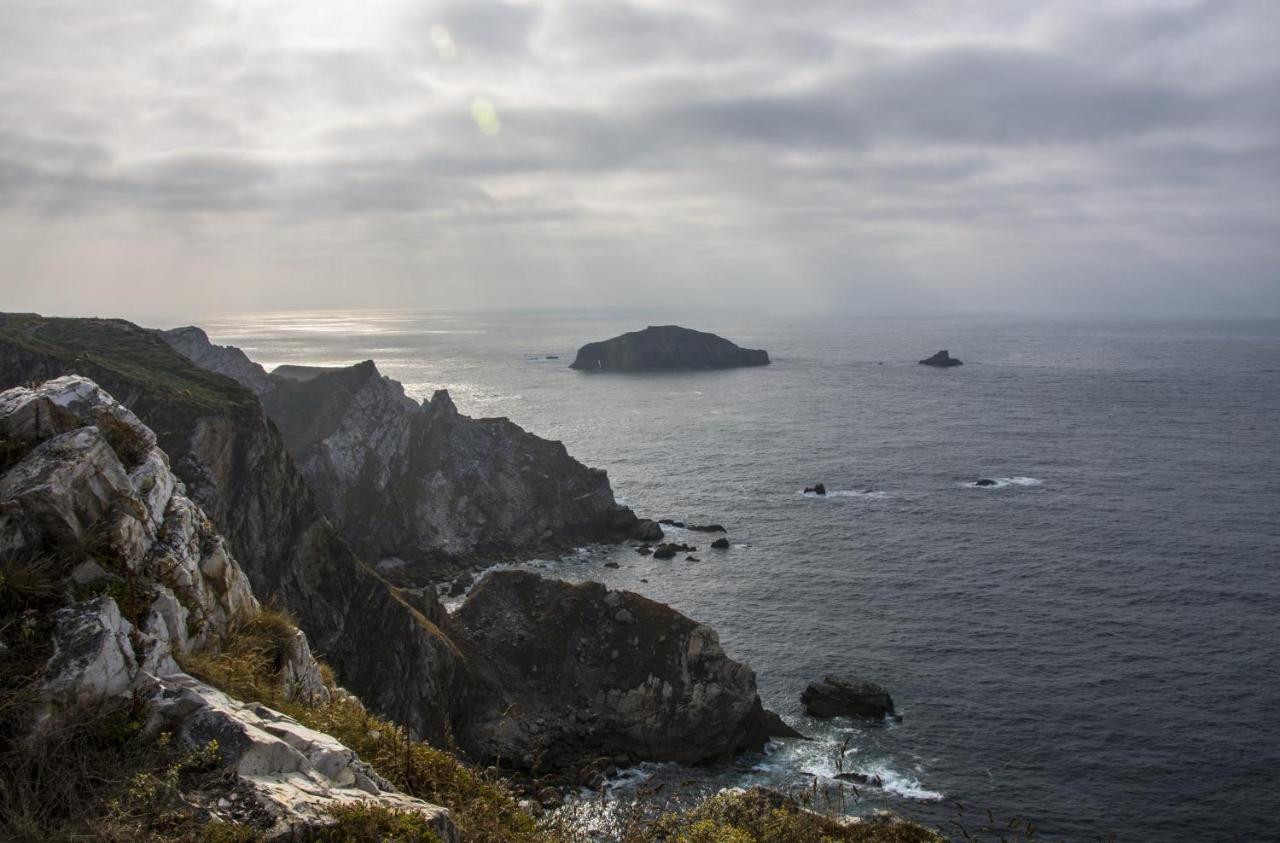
{"x": 1093, "y": 644}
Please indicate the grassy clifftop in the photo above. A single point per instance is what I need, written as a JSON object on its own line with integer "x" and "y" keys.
{"x": 130, "y": 362}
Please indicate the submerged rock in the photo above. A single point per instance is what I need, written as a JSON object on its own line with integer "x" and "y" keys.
{"x": 665, "y": 347}
{"x": 986, "y": 482}
{"x": 600, "y": 674}
{"x": 846, "y": 696}
{"x": 942, "y": 359}
{"x": 815, "y": 489}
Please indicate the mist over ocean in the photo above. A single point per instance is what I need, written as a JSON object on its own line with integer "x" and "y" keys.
{"x": 1092, "y": 643}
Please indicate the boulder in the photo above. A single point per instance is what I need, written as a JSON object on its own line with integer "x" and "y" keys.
{"x": 668, "y": 550}
{"x": 600, "y": 674}
{"x": 665, "y": 347}
{"x": 720, "y": 544}
{"x": 845, "y": 696}
{"x": 815, "y": 489}
{"x": 984, "y": 482}
{"x": 460, "y": 585}
{"x": 942, "y": 360}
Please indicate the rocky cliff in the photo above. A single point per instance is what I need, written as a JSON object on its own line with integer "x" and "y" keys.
{"x": 395, "y": 647}
{"x": 665, "y": 347}
{"x": 234, "y": 464}
{"x": 111, "y": 575}
{"x": 424, "y": 484}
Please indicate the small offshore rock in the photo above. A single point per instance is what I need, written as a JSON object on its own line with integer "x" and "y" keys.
{"x": 986, "y": 481}
{"x": 847, "y": 696}
{"x": 612, "y": 565}
{"x": 815, "y": 489}
{"x": 707, "y": 528}
{"x": 871, "y": 780}
{"x": 720, "y": 544}
{"x": 942, "y": 360}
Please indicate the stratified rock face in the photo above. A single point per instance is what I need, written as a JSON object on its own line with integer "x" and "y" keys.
{"x": 570, "y": 673}
{"x": 193, "y": 343}
{"x": 85, "y": 494}
{"x": 665, "y": 347}
{"x": 942, "y": 360}
{"x": 428, "y": 485}
{"x": 846, "y": 696}
{"x": 234, "y": 465}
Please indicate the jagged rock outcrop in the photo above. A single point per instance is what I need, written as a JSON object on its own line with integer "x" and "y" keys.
{"x": 427, "y": 485}
{"x": 193, "y": 343}
{"x": 599, "y": 673}
{"x": 83, "y": 484}
{"x": 235, "y": 466}
{"x": 941, "y": 360}
{"x": 665, "y": 347}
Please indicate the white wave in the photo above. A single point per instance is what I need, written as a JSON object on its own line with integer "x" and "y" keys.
{"x": 867, "y": 494}
{"x": 902, "y": 784}
{"x": 1004, "y": 482}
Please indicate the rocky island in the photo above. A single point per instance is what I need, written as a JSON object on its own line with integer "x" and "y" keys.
{"x": 665, "y": 347}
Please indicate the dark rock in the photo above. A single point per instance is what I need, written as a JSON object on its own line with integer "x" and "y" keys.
{"x": 612, "y": 565}
{"x": 460, "y": 585}
{"x": 665, "y": 347}
{"x": 645, "y": 530}
{"x": 692, "y": 558}
{"x": 844, "y": 696}
{"x": 599, "y": 675}
{"x": 668, "y": 550}
{"x": 868, "y": 779}
{"x": 644, "y": 550}
{"x": 942, "y": 359}
{"x": 986, "y": 482}
{"x": 815, "y": 489}
{"x": 720, "y": 544}
{"x": 707, "y": 528}
{"x": 553, "y": 356}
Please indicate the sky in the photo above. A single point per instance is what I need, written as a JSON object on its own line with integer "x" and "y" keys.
{"x": 834, "y": 156}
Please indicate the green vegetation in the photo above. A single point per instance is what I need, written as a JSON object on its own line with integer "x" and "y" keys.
{"x": 130, "y": 362}
{"x": 99, "y": 779}
{"x": 362, "y": 823}
{"x": 757, "y": 816}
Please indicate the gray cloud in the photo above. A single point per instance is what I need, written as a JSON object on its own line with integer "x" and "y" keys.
{"x": 866, "y": 154}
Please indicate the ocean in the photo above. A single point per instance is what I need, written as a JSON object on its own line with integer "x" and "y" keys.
{"x": 1091, "y": 643}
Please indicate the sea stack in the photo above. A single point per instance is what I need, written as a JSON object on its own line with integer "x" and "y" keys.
{"x": 942, "y": 360}
{"x": 665, "y": 347}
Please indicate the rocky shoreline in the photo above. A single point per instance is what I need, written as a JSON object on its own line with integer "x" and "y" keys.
{"x": 218, "y": 495}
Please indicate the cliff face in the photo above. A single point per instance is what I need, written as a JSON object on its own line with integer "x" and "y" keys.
{"x": 428, "y": 485}
{"x": 234, "y": 464}
{"x": 193, "y": 343}
{"x": 129, "y": 576}
{"x": 665, "y": 347}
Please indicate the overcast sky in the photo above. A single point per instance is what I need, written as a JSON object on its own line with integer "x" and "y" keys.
{"x": 171, "y": 156}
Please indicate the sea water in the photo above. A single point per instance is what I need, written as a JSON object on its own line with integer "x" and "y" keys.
{"x": 1090, "y": 643}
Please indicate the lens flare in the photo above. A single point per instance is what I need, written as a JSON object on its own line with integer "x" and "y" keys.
{"x": 486, "y": 116}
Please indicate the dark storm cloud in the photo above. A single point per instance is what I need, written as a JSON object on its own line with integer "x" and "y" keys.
{"x": 745, "y": 140}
